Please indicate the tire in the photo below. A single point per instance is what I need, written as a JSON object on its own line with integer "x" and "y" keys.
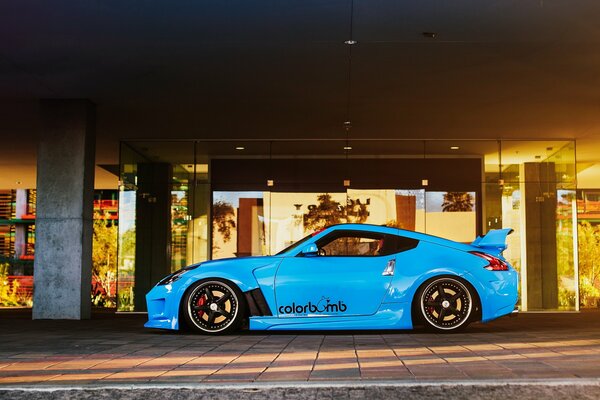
{"x": 214, "y": 306}
{"x": 445, "y": 304}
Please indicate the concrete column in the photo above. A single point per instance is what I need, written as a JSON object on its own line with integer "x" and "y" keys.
{"x": 539, "y": 199}
{"x": 65, "y": 192}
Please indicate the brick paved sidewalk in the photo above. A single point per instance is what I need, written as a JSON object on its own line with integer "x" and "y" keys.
{"x": 118, "y": 350}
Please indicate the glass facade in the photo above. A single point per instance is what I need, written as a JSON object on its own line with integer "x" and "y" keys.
{"x": 588, "y": 240}
{"x": 17, "y": 247}
{"x": 183, "y": 202}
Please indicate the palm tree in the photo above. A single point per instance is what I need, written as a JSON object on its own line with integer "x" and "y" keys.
{"x": 457, "y": 201}
{"x": 223, "y": 219}
{"x": 327, "y": 212}
{"x": 330, "y": 212}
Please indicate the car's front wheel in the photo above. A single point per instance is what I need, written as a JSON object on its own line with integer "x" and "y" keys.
{"x": 214, "y": 306}
{"x": 445, "y": 304}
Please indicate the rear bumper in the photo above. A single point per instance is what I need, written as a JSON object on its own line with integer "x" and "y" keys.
{"x": 498, "y": 295}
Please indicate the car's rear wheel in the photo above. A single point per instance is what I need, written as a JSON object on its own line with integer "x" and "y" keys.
{"x": 446, "y": 304}
{"x": 214, "y": 306}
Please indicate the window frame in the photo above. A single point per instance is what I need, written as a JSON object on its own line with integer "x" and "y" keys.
{"x": 394, "y": 248}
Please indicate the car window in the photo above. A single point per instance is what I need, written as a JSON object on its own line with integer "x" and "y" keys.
{"x": 342, "y": 243}
{"x": 361, "y": 243}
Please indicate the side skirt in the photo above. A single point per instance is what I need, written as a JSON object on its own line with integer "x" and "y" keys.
{"x": 389, "y": 316}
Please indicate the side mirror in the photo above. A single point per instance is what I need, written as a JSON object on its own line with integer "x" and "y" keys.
{"x": 310, "y": 250}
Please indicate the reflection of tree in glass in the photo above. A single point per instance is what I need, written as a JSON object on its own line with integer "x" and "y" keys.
{"x": 127, "y": 246}
{"x": 104, "y": 262}
{"x": 356, "y": 211}
{"x": 392, "y": 223}
{"x": 457, "y": 201}
{"x": 223, "y": 219}
{"x": 330, "y": 212}
{"x": 126, "y": 270}
{"x": 327, "y": 212}
{"x": 178, "y": 210}
{"x": 589, "y": 264}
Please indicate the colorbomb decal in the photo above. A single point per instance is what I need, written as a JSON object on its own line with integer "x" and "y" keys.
{"x": 323, "y": 306}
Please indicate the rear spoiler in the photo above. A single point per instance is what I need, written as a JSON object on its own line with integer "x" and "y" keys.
{"x": 494, "y": 242}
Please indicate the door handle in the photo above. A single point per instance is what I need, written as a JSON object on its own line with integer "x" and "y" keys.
{"x": 389, "y": 268}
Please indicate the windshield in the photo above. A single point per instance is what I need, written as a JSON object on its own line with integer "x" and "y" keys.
{"x": 293, "y": 246}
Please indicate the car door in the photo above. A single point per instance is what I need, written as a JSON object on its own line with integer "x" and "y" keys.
{"x": 350, "y": 277}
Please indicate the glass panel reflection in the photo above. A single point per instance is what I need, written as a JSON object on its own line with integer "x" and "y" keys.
{"x": 238, "y": 224}
{"x": 451, "y": 188}
{"x": 451, "y": 215}
{"x": 127, "y": 228}
{"x": 538, "y": 202}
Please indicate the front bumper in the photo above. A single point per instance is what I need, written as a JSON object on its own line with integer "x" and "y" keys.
{"x": 162, "y": 308}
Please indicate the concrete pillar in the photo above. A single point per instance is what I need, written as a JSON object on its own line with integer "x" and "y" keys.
{"x": 539, "y": 191}
{"x": 65, "y": 192}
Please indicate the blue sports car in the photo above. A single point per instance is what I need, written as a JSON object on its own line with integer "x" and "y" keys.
{"x": 348, "y": 276}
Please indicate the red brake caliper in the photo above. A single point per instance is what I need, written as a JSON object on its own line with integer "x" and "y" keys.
{"x": 430, "y": 308}
{"x": 200, "y": 303}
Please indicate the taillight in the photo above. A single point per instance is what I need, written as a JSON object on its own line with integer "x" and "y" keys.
{"x": 495, "y": 264}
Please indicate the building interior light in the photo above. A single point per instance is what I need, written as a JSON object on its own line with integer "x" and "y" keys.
{"x": 347, "y": 147}
{"x": 270, "y": 182}
{"x": 454, "y": 147}
{"x": 240, "y": 148}
{"x": 200, "y": 168}
{"x": 350, "y": 42}
{"x": 425, "y": 182}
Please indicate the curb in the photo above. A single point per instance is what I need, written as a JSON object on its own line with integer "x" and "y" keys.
{"x": 488, "y": 390}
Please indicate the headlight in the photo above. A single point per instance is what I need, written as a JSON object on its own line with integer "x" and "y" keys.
{"x": 176, "y": 275}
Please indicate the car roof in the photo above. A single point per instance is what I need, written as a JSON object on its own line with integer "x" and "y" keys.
{"x": 397, "y": 231}
{"x": 363, "y": 227}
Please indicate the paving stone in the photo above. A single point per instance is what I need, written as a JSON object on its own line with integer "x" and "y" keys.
{"x": 120, "y": 350}
{"x": 26, "y": 379}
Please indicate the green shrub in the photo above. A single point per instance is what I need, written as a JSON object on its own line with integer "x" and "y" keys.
{"x": 10, "y": 296}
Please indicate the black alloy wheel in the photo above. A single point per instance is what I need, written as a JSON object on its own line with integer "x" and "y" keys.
{"x": 214, "y": 306}
{"x": 446, "y": 304}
